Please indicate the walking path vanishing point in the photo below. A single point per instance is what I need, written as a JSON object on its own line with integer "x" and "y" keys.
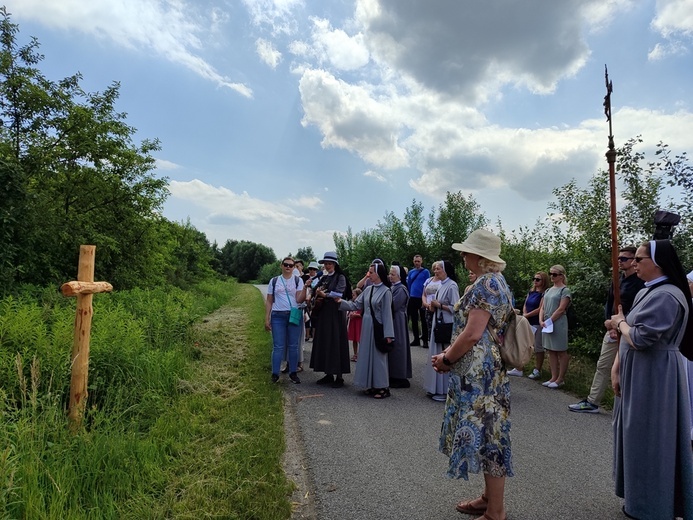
{"x": 358, "y": 458}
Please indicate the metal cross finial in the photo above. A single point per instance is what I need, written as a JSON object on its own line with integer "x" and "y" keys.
{"x": 607, "y": 98}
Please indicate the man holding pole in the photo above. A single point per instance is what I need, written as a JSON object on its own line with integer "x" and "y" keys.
{"x": 629, "y": 284}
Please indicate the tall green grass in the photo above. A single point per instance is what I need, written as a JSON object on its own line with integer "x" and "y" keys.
{"x": 169, "y": 430}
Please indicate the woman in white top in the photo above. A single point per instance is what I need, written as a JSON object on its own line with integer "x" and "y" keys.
{"x": 283, "y": 293}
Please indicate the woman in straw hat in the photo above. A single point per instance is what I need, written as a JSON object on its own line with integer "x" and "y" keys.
{"x": 476, "y": 425}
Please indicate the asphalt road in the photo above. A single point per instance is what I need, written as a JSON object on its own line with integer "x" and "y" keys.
{"x": 357, "y": 458}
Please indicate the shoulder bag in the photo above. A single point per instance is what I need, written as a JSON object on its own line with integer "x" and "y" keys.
{"x": 442, "y": 332}
{"x": 296, "y": 314}
{"x": 517, "y": 344}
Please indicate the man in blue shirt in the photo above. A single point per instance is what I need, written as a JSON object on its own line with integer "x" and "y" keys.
{"x": 415, "y": 281}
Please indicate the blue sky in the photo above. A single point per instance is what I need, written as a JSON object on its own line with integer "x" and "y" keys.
{"x": 284, "y": 121}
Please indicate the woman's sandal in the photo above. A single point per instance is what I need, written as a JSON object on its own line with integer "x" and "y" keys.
{"x": 469, "y": 509}
{"x": 382, "y": 393}
{"x": 370, "y": 391}
{"x": 486, "y": 517}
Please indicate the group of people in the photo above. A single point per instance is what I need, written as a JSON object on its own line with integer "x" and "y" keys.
{"x": 646, "y": 350}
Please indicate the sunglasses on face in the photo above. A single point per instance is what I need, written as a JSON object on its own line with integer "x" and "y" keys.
{"x": 624, "y": 258}
{"x": 287, "y": 265}
{"x": 537, "y": 279}
{"x": 555, "y": 274}
{"x": 639, "y": 259}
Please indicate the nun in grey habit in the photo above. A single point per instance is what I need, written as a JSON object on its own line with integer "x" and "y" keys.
{"x": 653, "y": 460}
{"x": 372, "y": 368}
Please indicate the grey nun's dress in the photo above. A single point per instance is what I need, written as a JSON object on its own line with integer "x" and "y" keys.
{"x": 399, "y": 360}
{"x": 653, "y": 461}
{"x": 371, "y": 367}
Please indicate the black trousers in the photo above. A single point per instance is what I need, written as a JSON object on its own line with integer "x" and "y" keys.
{"x": 416, "y": 314}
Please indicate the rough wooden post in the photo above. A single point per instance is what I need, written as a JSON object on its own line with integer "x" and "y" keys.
{"x": 84, "y": 289}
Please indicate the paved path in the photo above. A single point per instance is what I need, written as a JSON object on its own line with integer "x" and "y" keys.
{"x": 366, "y": 459}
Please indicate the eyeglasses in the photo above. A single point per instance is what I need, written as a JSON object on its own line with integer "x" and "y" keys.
{"x": 639, "y": 259}
{"x": 556, "y": 274}
{"x": 537, "y": 279}
{"x": 625, "y": 258}
{"x": 287, "y": 265}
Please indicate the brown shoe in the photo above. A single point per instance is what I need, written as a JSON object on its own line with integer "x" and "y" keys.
{"x": 469, "y": 509}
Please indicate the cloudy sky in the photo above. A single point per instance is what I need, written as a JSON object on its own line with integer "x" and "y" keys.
{"x": 283, "y": 121}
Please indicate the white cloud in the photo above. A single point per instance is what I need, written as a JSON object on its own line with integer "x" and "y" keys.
{"x": 665, "y": 50}
{"x": 163, "y": 164}
{"x": 337, "y": 47}
{"x": 375, "y": 175}
{"x": 166, "y": 28}
{"x": 268, "y": 54}
{"x": 349, "y": 117}
{"x": 222, "y": 214}
{"x": 674, "y": 16}
{"x": 275, "y": 14}
{"x": 306, "y": 202}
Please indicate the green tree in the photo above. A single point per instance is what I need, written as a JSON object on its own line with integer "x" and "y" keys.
{"x": 243, "y": 260}
{"x": 456, "y": 218}
{"x": 71, "y": 153}
{"x": 306, "y": 254}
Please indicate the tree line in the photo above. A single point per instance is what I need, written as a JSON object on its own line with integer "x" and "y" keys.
{"x": 71, "y": 174}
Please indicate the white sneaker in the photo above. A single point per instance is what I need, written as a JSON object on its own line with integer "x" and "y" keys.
{"x": 535, "y": 374}
{"x": 515, "y": 372}
{"x": 546, "y": 383}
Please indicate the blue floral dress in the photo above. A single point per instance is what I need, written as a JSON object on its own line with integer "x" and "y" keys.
{"x": 476, "y": 426}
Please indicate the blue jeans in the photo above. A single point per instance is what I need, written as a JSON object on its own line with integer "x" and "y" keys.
{"x": 284, "y": 335}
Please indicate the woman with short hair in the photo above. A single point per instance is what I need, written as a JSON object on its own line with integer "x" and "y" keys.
{"x": 284, "y": 292}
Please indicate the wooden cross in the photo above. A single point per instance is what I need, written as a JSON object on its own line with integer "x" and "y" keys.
{"x": 84, "y": 289}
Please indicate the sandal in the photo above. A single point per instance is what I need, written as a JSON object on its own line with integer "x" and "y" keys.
{"x": 381, "y": 393}
{"x": 354, "y": 358}
{"x": 486, "y": 517}
{"x": 370, "y": 391}
{"x": 469, "y": 509}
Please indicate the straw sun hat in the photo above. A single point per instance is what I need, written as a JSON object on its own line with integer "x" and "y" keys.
{"x": 482, "y": 243}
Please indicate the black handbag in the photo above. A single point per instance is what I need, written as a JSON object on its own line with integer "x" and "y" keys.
{"x": 378, "y": 333}
{"x": 442, "y": 333}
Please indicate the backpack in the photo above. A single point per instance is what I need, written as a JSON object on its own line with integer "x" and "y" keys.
{"x": 518, "y": 341}
{"x": 274, "y": 283}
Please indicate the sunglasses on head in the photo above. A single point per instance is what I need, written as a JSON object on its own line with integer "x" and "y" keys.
{"x": 285, "y": 264}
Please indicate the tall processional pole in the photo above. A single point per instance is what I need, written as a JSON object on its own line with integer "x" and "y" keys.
{"x": 611, "y": 158}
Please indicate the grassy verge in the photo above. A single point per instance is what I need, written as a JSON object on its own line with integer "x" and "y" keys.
{"x": 229, "y": 425}
{"x": 181, "y": 423}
